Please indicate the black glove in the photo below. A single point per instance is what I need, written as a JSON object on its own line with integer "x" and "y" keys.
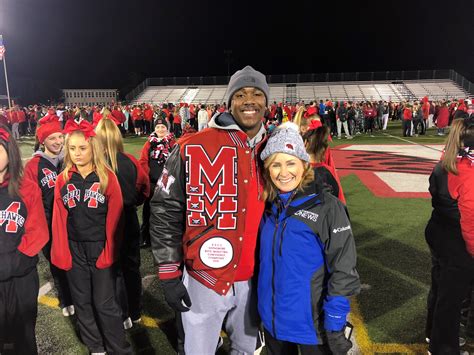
{"x": 175, "y": 292}
{"x": 338, "y": 343}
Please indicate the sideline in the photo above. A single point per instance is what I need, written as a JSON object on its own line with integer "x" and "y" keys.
{"x": 415, "y": 143}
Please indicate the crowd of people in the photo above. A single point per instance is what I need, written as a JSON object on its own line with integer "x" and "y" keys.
{"x": 255, "y": 193}
{"x": 351, "y": 117}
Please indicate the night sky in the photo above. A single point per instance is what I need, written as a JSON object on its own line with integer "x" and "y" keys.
{"x": 53, "y": 44}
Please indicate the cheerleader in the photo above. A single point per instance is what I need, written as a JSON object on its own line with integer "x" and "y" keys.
{"x": 23, "y": 232}
{"x": 135, "y": 187}
{"x": 43, "y": 169}
{"x": 450, "y": 236}
{"x": 86, "y": 214}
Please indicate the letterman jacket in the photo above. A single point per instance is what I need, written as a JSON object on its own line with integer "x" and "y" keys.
{"x": 23, "y": 229}
{"x": 307, "y": 266}
{"x": 82, "y": 213}
{"x": 207, "y": 206}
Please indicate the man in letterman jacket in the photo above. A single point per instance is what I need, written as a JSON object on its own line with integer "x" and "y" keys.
{"x": 205, "y": 215}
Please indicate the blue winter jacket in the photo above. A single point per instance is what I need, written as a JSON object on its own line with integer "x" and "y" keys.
{"x": 307, "y": 267}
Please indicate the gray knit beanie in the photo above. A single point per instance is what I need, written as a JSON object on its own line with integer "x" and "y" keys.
{"x": 285, "y": 139}
{"x": 247, "y": 77}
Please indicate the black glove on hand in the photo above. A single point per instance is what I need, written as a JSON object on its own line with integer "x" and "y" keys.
{"x": 175, "y": 291}
{"x": 338, "y": 343}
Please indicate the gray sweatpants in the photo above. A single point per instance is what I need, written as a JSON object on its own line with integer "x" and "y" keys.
{"x": 203, "y": 322}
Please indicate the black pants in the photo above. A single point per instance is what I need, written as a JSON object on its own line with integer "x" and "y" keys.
{"x": 18, "y": 312}
{"x": 177, "y": 130}
{"x": 59, "y": 279}
{"x": 369, "y": 124}
{"x": 145, "y": 228}
{"x": 146, "y": 127}
{"x": 278, "y": 347}
{"x": 406, "y": 128}
{"x": 93, "y": 292}
{"x": 451, "y": 273}
{"x": 129, "y": 282}
{"x": 416, "y": 124}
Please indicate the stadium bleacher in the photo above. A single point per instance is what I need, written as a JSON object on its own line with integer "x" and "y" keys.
{"x": 347, "y": 91}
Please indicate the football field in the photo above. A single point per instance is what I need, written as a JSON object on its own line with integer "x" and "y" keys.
{"x": 385, "y": 181}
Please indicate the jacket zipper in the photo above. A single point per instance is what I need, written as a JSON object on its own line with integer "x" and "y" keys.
{"x": 193, "y": 239}
{"x": 281, "y": 236}
{"x": 273, "y": 278}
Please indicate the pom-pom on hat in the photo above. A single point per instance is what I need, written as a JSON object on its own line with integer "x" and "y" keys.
{"x": 48, "y": 125}
{"x": 247, "y": 77}
{"x": 285, "y": 139}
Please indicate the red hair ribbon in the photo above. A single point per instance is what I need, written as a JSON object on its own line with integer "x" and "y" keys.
{"x": 83, "y": 126}
{"x": 4, "y": 135}
{"x": 314, "y": 124}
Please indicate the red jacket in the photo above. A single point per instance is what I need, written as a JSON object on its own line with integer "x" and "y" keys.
{"x": 23, "y": 229}
{"x": 461, "y": 189}
{"x": 148, "y": 114}
{"x": 407, "y": 114}
{"x": 426, "y": 110}
{"x": 207, "y": 207}
{"x": 442, "y": 120}
{"x": 21, "y": 116}
{"x": 137, "y": 114}
{"x": 87, "y": 221}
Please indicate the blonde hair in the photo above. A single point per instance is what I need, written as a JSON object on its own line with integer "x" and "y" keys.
{"x": 270, "y": 191}
{"x": 111, "y": 139}
{"x": 299, "y": 116}
{"x": 455, "y": 141}
{"x": 99, "y": 165}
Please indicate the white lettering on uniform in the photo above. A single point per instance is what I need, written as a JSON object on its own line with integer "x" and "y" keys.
{"x": 341, "y": 229}
{"x": 308, "y": 215}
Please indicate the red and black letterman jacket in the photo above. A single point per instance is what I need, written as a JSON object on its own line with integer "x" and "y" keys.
{"x": 84, "y": 214}
{"x": 23, "y": 229}
{"x": 207, "y": 206}
{"x": 44, "y": 171}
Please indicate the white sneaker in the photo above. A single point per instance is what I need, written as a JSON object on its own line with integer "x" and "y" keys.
{"x": 65, "y": 311}
{"x": 136, "y": 321}
{"x": 71, "y": 310}
{"x": 127, "y": 323}
{"x": 104, "y": 353}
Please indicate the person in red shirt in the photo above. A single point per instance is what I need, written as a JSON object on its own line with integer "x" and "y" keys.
{"x": 137, "y": 117}
{"x": 450, "y": 236}
{"x": 147, "y": 118}
{"x": 442, "y": 118}
{"x": 86, "y": 236}
{"x": 23, "y": 233}
{"x": 21, "y": 121}
{"x": 12, "y": 116}
{"x": 407, "y": 120}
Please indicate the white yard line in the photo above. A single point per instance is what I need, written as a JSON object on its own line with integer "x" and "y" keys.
{"x": 45, "y": 289}
{"x": 415, "y": 143}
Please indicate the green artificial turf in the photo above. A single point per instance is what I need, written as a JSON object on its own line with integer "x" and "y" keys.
{"x": 394, "y": 129}
{"x": 393, "y": 262}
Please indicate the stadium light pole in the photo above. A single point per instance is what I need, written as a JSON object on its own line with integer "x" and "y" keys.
{"x": 3, "y": 58}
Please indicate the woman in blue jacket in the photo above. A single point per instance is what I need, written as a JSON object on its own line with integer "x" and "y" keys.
{"x": 307, "y": 255}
